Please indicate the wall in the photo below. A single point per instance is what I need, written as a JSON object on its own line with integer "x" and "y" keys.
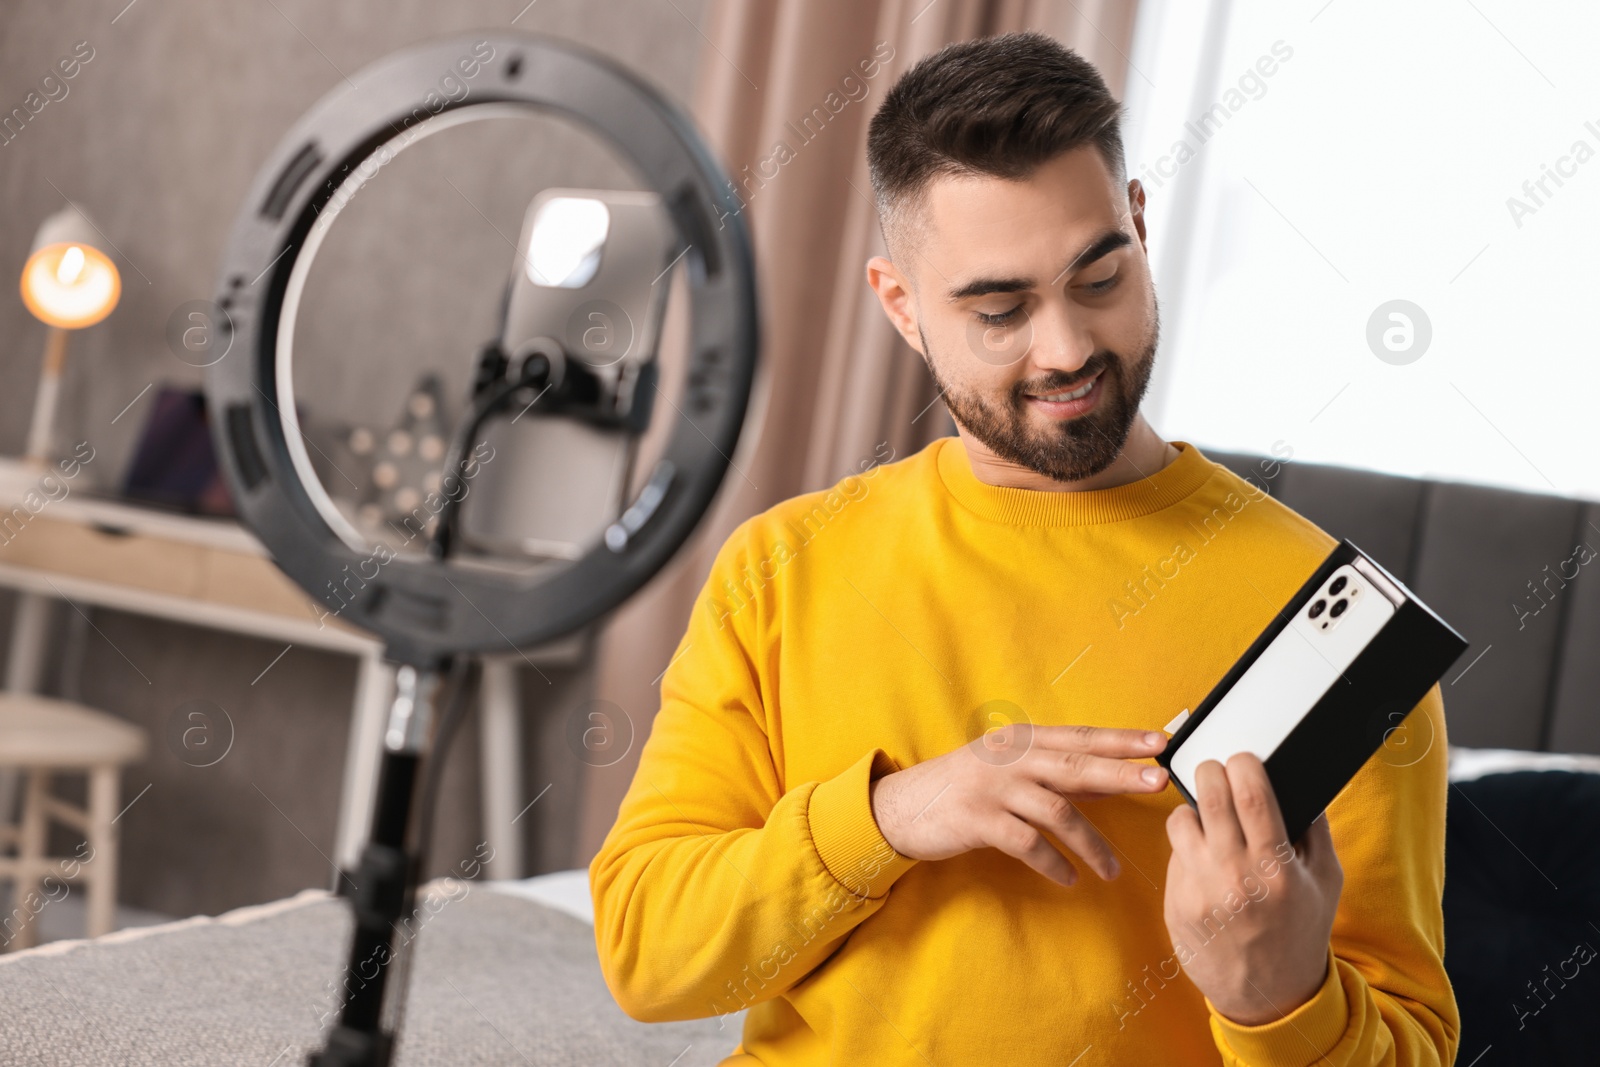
{"x": 158, "y": 137}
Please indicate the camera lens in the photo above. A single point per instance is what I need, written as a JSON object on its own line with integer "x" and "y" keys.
{"x": 1338, "y": 586}
{"x": 1338, "y": 608}
{"x": 1318, "y": 607}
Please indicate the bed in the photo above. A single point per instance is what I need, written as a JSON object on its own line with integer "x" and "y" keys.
{"x": 505, "y": 973}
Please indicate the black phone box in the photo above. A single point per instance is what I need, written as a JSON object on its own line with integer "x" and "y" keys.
{"x": 1348, "y": 724}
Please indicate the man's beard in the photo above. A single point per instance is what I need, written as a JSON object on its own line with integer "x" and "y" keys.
{"x": 1068, "y": 451}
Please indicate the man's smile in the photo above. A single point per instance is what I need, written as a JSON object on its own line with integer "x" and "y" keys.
{"x": 1070, "y": 403}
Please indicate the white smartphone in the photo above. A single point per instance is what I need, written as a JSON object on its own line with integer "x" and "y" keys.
{"x": 1293, "y": 673}
{"x": 592, "y": 272}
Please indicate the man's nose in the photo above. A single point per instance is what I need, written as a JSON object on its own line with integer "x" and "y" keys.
{"x": 1061, "y": 340}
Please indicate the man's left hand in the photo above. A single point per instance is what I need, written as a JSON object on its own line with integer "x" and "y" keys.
{"x": 1253, "y": 911}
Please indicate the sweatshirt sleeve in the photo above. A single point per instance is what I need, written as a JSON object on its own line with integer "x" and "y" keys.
{"x": 1386, "y": 998}
{"x": 719, "y": 885}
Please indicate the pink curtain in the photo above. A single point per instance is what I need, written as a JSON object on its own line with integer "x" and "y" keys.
{"x": 784, "y": 97}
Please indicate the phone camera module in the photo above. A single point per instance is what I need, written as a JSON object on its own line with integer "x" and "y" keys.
{"x": 1338, "y": 585}
{"x": 1318, "y": 608}
{"x": 1338, "y": 608}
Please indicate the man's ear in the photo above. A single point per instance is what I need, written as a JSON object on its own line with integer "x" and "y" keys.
{"x": 894, "y": 294}
{"x": 1136, "y": 209}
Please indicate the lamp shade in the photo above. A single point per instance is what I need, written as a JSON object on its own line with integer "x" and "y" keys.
{"x": 69, "y": 280}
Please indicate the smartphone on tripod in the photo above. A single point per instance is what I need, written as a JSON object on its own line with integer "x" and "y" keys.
{"x": 592, "y": 271}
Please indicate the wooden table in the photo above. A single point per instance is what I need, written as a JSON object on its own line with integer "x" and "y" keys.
{"x": 98, "y": 552}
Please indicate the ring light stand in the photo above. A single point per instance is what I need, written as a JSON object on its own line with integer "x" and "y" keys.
{"x": 432, "y": 616}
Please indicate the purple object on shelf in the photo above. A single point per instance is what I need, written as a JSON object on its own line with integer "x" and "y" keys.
{"x": 175, "y": 465}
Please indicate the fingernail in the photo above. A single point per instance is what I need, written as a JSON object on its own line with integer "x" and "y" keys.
{"x": 1153, "y": 738}
{"x": 1115, "y": 868}
{"x": 1152, "y": 775}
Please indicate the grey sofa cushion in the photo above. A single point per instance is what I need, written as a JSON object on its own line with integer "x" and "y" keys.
{"x": 1575, "y": 715}
{"x": 1480, "y": 549}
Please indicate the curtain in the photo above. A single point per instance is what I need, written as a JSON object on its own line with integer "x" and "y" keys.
{"x": 837, "y": 382}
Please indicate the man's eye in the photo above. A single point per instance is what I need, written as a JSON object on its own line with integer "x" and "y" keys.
{"x": 998, "y": 319}
{"x": 1103, "y": 286}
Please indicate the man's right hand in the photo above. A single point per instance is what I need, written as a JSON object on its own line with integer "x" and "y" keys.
{"x": 1001, "y": 790}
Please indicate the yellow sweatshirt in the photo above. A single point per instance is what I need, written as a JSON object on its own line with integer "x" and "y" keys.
{"x": 849, "y": 633}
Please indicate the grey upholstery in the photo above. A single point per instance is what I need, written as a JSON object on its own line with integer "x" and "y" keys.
{"x": 498, "y": 981}
{"x": 1501, "y": 567}
{"x": 1575, "y": 710}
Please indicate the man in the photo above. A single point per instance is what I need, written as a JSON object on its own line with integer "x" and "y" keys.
{"x": 898, "y": 803}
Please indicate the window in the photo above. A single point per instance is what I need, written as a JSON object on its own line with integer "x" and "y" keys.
{"x": 1373, "y": 228}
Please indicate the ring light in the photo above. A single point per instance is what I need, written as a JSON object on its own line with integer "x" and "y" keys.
{"x": 424, "y": 610}
{"x": 433, "y": 615}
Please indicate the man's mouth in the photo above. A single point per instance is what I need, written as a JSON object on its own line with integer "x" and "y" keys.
{"x": 1069, "y": 403}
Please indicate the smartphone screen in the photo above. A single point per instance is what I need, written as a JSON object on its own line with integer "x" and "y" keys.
{"x": 592, "y": 271}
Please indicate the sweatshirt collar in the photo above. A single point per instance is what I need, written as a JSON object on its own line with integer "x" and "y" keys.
{"x": 1044, "y": 507}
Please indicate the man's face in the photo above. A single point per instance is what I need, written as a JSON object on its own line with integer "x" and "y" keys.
{"x": 1033, "y": 304}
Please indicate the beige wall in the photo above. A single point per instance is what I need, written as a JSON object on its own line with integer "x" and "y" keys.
{"x": 158, "y": 137}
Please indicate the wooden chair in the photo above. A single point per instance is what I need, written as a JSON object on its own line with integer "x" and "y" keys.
{"x": 41, "y": 737}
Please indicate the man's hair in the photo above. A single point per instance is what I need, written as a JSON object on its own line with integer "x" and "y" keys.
{"x": 997, "y": 106}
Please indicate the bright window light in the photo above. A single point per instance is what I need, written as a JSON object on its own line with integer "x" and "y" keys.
{"x": 1371, "y": 229}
